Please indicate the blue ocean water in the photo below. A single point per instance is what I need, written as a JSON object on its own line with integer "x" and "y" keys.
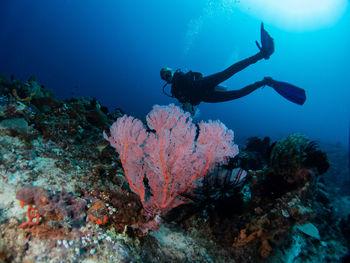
{"x": 113, "y": 51}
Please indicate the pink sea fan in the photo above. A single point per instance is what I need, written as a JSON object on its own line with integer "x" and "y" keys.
{"x": 170, "y": 157}
{"x": 127, "y": 137}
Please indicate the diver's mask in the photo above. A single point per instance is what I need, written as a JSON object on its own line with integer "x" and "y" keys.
{"x": 166, "y": 74}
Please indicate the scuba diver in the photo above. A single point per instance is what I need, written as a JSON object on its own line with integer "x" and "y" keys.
{"x": 192, "y": 88}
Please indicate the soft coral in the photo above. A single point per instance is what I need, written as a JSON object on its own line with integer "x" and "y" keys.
{"x": 170, "y": 157}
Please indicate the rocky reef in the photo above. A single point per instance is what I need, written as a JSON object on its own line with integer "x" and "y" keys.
{"x": 64, "y": 197}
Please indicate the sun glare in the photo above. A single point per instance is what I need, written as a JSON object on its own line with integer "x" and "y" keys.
{"x": 295, "y": 15}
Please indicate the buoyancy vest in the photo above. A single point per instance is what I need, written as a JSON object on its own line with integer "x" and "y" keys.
{"x": 183, "y": 87}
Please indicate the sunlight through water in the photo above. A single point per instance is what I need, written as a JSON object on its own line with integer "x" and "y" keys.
{"x": 294, "y": 15}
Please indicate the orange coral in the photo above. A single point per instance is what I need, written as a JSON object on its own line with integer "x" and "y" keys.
{"x": 243, "y": 239}
{"x": 32, "y": 213}
{"x": 265, "y": 249}
{"x": 26, "y": 99}
{"x": 98, "y": 213}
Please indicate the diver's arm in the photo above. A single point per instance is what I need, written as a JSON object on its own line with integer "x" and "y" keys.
{"x": 189, "y": 108}
{"x": 197, "y": 75}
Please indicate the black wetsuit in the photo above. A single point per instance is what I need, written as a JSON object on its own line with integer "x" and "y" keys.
{"x": 192, "y": 87}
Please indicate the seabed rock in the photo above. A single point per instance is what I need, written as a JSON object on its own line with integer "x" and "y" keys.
{"x": 79, "y": 208}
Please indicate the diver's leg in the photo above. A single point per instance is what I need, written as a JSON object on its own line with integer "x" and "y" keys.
{"x": 219, "y": 96}
{"x": 215, "y": 79}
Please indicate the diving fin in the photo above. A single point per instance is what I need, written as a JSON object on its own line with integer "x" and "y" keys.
{"x": 267, "y": 45}
{"x": 289, "y": 91}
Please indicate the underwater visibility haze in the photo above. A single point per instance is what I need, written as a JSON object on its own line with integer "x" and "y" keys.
{"x": 113, "y": 51}
{"x": 99, "y": 164}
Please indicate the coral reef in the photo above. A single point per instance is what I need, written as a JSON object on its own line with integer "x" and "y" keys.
{"x": 274, "y": 202}
{"x": 171, "y": 159}
{"x": 58, "y": 206}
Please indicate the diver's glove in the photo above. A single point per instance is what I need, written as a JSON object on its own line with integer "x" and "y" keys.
{"x": 267, "y": 46}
